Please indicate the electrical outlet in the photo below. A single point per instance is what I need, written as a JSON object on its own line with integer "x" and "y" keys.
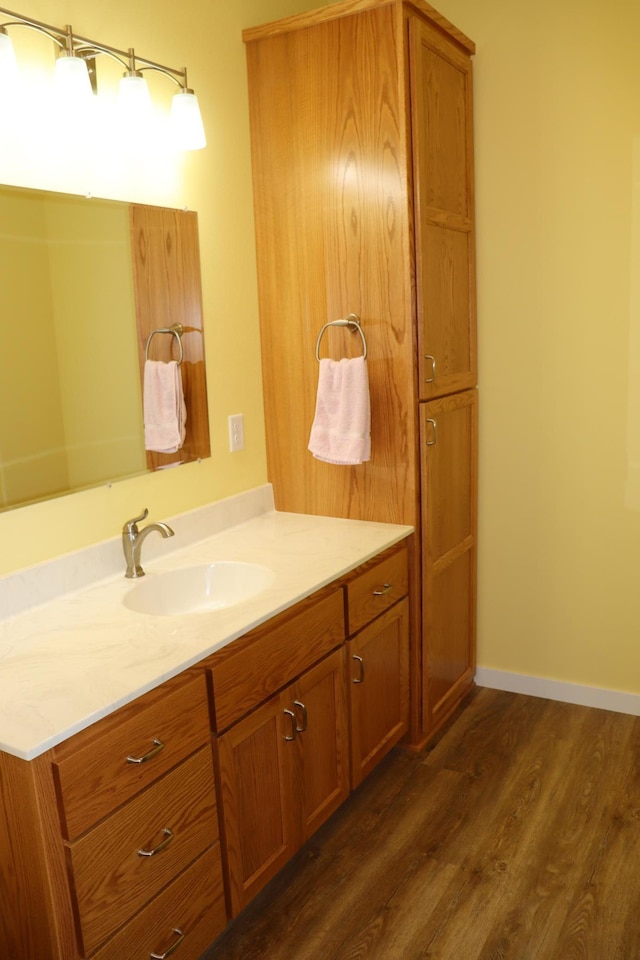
{"x": 236, "y": 432}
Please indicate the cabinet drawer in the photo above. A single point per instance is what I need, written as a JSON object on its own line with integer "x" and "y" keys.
{"x": 111, "y": 879}
{"x": 190, "y": 912}
{"x": 95, "y": 771}
{"x": 376, "y": 589}
{"x": 254, "y": 668}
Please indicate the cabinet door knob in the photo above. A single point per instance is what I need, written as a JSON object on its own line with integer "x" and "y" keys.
{"x": 360, "y": 661}
{"x": 303, "y": 710}
{"x": 172, "y": 949}
{"x": 158, "y": 745}
{"x": 431, "y": 443}
{"x": 294, "y": 725}
{"x": 380, "y": 591}
{"x": 168, "y": 837}
{"x": 430, "y": 379}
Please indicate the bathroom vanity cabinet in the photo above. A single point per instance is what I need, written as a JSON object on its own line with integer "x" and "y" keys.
{"x": 295, "y": 745}
{"x": 362, "y": 147}
{"x": 143, "y": 834}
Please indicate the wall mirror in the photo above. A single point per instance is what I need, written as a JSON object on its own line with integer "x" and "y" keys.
{"x": 84, "y": 282}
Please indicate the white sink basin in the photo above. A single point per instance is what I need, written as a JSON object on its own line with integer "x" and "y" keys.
{"x": 210, "y": 586}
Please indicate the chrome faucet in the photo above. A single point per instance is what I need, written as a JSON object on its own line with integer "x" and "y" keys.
{"x": 132, "y": 539}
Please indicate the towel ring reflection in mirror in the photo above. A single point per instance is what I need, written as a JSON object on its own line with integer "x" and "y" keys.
{"x": 353, "y": 321}
{"x": 176, "y": 329}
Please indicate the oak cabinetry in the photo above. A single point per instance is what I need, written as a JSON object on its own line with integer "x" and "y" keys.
{"x": 448, "y": 435}
{"x": 362, "y": 151}
{"x": 109, "y": 844}
{"x": 131, "y": 855}
{"x": 378, "y": 654}
{"x": 284, "y": 767}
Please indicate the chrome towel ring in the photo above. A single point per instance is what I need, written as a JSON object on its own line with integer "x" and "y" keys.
{"x": 353, "y": 321}
{"x": 176, "y": 329}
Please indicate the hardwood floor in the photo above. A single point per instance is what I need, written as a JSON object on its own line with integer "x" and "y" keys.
{"x": 517, "y": 835}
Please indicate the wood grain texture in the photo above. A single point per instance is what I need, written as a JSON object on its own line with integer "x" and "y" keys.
{"x": 376, "y": 589}
{"x": 379, "y": 689}
{"x": 512, "y": 838}
{"x": 449, "y": 431}
{"x": 23, "y": 872}
{"x": 332, "y": 215}
{"x": 442, "y": 124}
{"x": 362, "y": 147}
{"x": 348, "y": 8}
{"x": 322, "y": 744}
{"x": 194, "y": 904}
{"x": 111, "y": 881}
{"x": 255, "y": 766}
{"x": 267, "y": 659}
{"x": 91, "y": 771}
{"x": 167, "y": 287}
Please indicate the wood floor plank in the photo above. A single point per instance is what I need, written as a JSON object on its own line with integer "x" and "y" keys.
{"x": 515, "y": 837}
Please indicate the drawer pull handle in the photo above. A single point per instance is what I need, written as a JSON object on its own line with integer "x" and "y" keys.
{"x": 380, "y": 591}
{"x": 168, "y": 837}
{"x": 360, "y": 661}
{"x": 158, "y": 745}
{"x": 172, "y": 949}
{"x": 298, "y": 703}
{"x": 294, "y": 725}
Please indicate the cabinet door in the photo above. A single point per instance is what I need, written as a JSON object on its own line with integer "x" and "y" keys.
{"x": 256, "y": 771}
{"x": 319, "y": 699}
{"x": 449, "y": 489}
{"x": 379, "y": 689}
{"x": 442, "y": 135}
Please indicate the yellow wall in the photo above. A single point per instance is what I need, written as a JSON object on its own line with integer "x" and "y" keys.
{"x": 557, "y": 116}
{"x": 97, "y": 350}
{"x": 32, "y": 441}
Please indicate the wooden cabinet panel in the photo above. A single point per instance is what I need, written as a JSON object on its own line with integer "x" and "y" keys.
{"x": 255, "y": 762}
{"x": 332, "y": 216}
{"x": 166, "y": 279}
{"x": 255, "y": 667}
{"x": 189, "y": 913}
{"x": 379, "y": 689}
{"x": 283, "y": 771}
{"x": 445, "y": 356}
{"x": 92, "y": 773}
{"x": 449, "y": 626}
{"x": 442, "y": 136}
{"x": 448, "y": 442}
{"x": 322, "y": 742}
{"x": 362, "y": 151}
{"x": 111, "y": 879}
{"x": 377, "y": 589}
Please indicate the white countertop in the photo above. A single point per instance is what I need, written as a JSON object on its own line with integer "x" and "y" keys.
{"x": 69, "y": 662}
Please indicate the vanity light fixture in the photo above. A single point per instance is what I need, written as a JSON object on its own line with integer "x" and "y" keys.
{"x": 75, "y": 77}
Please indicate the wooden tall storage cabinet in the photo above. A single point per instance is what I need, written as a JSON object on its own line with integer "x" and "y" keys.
{"x": 362, "y": 147}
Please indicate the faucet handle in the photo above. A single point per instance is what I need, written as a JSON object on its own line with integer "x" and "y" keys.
{"x": 131, "y": 526}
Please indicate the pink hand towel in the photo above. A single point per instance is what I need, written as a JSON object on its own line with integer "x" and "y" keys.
{"x": 165, "y": 412}
{"x": 341, "y": 431}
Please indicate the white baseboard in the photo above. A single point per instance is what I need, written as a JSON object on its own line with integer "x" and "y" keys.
{"x": 615, "y": 700}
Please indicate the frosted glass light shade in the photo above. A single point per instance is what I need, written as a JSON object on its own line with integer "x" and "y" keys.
{"x": 8, "y": 66}
{"x": 133, "y": 97}
{"x": 72, "y": 80}
{"x": 186, "y": 122}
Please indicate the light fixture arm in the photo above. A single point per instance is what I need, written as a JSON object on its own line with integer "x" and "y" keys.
{"x": 85, "y": 47}
{"x": 59, "y": 37}
{"x": 179, "y": 77}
